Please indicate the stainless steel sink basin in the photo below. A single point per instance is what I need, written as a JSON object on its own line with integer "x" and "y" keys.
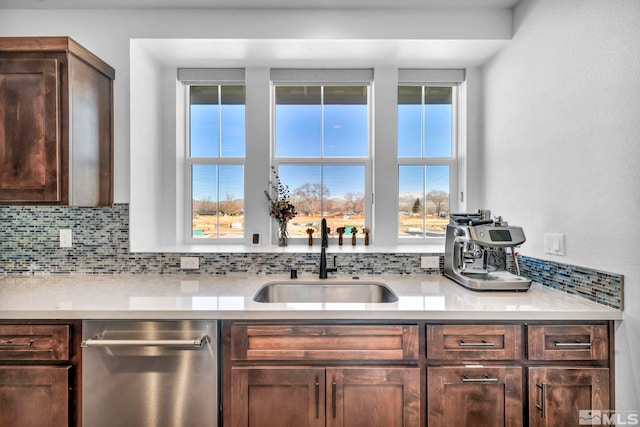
{"x": 350, "y": 291}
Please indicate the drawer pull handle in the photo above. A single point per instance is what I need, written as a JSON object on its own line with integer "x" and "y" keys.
{"x": 541, "y": 407}
{"x": 334, "y": 397}
{"x": 476, "y": 344}
{"x": 485, "y": 379}
{"x": 10, "y": 343}
{"x": 317, "y": 398}
{"x": 196, "y": 342}
{"x": 572, "y": 344}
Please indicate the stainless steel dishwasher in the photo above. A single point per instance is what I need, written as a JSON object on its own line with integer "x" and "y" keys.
{"x": 149, "y": 374}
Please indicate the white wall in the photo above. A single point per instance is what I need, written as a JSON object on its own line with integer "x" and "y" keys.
{"x": 108, "y": 33}
{"x": 562, "y": 145}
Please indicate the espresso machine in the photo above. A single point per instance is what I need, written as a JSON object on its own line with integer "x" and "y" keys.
{"x": 475, "y": 253}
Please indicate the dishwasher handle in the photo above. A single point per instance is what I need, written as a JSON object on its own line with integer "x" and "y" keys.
{"x": 96, "y": 341}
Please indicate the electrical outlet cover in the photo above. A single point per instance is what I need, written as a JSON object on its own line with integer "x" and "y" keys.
{"x": 189, "y": 263}
{"x": 430, "y": 262}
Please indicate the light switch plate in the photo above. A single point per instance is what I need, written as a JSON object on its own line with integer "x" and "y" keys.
{"x": 430, "y": 262}
{"x": 554, "y": 244}
{"x": 189, "y": 262}
{"x": 66, "y": 240}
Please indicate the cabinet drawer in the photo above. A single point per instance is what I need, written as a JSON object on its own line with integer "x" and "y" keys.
{"x": 473, "y": 342}
{"x": 324, "y": 342}
{"x": 570, "y": 342}
{"x": 34, "y": 342}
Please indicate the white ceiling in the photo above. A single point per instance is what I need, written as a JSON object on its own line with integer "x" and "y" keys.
{"x": 252, "y": 4}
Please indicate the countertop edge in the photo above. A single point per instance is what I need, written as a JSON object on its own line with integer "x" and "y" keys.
{"x": 309, "y": 315}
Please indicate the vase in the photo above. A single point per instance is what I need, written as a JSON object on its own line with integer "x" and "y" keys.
{"x": 283, "y": 234}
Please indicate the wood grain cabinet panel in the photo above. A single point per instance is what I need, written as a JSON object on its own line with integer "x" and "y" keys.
{"x": 29, "y": 138}
{"x": 461, "y": 396}
{"x": 567, "y": 342}
{"x": 34, "y": 396}
{"x": 324, "y": 342}
{"x": 277, "y": 396}
{"x": 373, "y": 397}
{"x": 34, "y": 342}
{"x": 319, "y": 397}
{"x": 557, "y": 395}
{"x": 474, "y": 342}
{"x": 311, "y": 375}
{"x": 56, "y": 123}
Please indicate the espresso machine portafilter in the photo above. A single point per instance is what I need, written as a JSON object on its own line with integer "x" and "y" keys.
{"x": 475, "y": 253}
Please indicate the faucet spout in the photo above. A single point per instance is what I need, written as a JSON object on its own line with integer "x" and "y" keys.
{"x": 323, "y": 232}
{"x": 323, "y": 253}
{"x": 323, "y": 264}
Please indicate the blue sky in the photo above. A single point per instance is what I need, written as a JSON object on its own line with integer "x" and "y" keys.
{"x": 299, "y": 134}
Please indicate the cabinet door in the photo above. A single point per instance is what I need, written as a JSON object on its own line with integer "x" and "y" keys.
{"x": 373, "y": 397}
{"x": 474, "y": 396}
{"x": 34, "y": 396}
{"x": 561, "y": 396}
{"x": 29, "y": 142}
{"x": 277, "y": 396}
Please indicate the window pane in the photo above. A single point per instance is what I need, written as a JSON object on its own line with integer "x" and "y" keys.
{"x": 411, "y": 201}
{"x": 409, "y": 121}
{"x": 344, "y": 204}
{"x": 217, "y": 201}
{"x": 298, "y": 121}
{"x": 231, "y": 212}
{"x": 233, "y": 121}
{"x": 437, "y": 207}
{"x": 204, "y": 121}
{"x": 333, "y": 192}
{"x": 423, "y": 201}
{"x": 204, "y": 221}
{"x": 346, "y": 121}
{"x": 438, "y": 121}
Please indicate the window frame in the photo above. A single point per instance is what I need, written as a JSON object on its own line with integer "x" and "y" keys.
{"x": 331, "y": 79}
{"x": 452, "y": 161}
{"x": 381, "y": 189}
{"x": 209, "y": 160}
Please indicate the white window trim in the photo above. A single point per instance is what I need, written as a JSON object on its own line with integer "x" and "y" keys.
{"x": 206, "y": 77}
{"x": 326, "y": 77}
{"x": 449, "y": 78}
{"x": 383, "y": 187}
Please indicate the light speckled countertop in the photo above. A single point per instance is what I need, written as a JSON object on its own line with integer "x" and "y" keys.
{"x": 231, "y": 297}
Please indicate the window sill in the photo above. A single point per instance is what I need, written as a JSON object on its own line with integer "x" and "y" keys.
{"x": 431, "y": 248}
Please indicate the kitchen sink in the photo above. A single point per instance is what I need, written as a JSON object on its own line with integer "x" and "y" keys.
{"x": 349, "y": 291}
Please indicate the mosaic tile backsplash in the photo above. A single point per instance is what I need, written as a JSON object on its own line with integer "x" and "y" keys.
{"x": 29, "y": 237}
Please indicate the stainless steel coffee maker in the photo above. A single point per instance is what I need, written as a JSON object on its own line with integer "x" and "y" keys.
{"x": 475, "y": 253}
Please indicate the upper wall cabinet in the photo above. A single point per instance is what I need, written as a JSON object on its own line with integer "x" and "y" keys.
{"x": 56, "y": 123}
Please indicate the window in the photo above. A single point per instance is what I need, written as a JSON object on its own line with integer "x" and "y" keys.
{"x": 215, "y": 160}
{"x": 322, "y": 153}
{"x": 427, "y": 117}
{"x": 315, "y": 128}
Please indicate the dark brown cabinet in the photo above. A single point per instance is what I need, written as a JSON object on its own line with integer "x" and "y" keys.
{"x": 314, "y": 375}
{"x": 39, "y": 381}
{"x": 513, "y": 374}
{"x": 34, "y": 396}
{"x": 559, "y": 396}
{"x": 56, "y": 123}
{"x": 475, "y": 396}
{"x": 474, "y": 375}
{"x": 319, "y": 397}
{"x": 569, "y": 375}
